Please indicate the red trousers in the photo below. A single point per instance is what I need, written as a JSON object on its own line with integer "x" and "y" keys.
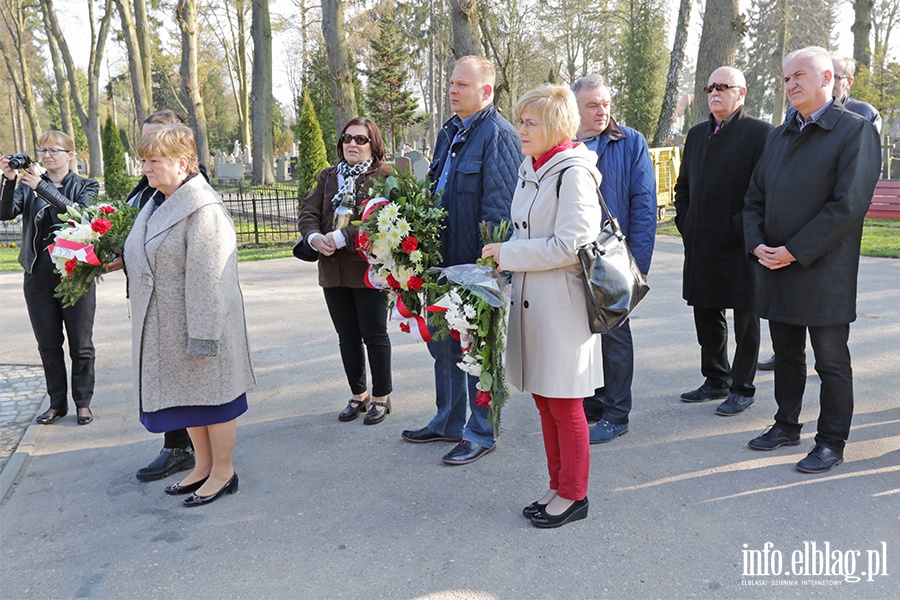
{"x": 567, "y": 444}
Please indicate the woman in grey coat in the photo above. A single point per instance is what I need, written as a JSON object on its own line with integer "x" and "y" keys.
{"x": 189, "y": 336}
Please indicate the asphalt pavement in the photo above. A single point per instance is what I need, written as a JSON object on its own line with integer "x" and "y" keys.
{"x": 679, "y": 507}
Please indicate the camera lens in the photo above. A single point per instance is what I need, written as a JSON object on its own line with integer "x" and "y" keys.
{"x": 19, "y": 161}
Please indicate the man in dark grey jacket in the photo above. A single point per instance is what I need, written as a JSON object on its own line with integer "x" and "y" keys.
{"x": 803, "y": 220}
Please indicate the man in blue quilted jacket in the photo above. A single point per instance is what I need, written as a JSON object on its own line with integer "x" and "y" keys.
{"x": 629, "y": 189}
{"x": 474, "y": 171}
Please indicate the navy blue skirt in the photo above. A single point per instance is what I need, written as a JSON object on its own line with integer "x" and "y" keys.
{"x": 181, "y": 417}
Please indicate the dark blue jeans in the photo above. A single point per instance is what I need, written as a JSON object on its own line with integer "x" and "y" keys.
{"x": 618, "y": 373}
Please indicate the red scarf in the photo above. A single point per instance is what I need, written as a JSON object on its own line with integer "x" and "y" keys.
{"x": 540, "y": 162}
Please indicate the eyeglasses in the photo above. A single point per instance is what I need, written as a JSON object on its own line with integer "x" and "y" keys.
{"x": 50, "y": 151}
{"x": 527, "y": 123}
{"x": 719, "y": 87}
{"x": 361, "y": 140}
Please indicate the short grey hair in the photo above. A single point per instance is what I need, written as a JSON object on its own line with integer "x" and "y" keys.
{"x": 820, "y": 57}
{"x": 589, "y": 82}
{"x": 845, "y": 61}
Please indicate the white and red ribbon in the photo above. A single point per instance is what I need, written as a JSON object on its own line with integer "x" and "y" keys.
{"x": 69, "y": 249}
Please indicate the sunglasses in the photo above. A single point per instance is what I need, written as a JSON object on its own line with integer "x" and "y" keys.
{"x": 361, "y": 140}
{"x": 719, "y": 87}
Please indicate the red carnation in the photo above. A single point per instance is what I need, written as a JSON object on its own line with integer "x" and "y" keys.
{"x": 71, "y": 264}
{"x": 415, "y": 283}
{"x": 101, "y": 226}
{"x": 404, "y": 327}
{"x": 409, "y": 244}
{"x": 392, "y": 281}
{"x": 362, "y": 240}
{"x": 106, "y": 208}
{"x": 483, "y": 399}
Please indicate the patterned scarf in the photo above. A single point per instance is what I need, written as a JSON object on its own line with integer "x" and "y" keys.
{"x": 348, "y": 174}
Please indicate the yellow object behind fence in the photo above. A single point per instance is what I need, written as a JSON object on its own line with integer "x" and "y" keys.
{"x": 666, "y": 163}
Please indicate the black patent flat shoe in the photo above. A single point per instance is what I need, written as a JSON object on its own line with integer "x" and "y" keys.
{"x": 176, "y": 489}
{"x": 378, "y": 412}
{"x": 52, "y": 415}
{"x": 354, "y": 408}
{"x": 229, "y": 488}
{"x": 533, "y": 509}
{"x": 85, "y": 419}
{"x": 576, "y": 512}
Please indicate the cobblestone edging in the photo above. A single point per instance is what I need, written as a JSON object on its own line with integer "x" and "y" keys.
{"x": 22, "y": 389}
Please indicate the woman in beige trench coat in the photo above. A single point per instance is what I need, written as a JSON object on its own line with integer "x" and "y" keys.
{"x": 551, "y": 352}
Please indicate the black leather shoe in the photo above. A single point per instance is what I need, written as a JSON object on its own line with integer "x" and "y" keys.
{"x": 377, "y": 412}
{"x": 354, "y": 407}
{"x": 52, "y": 415}
{"x": 775, "y": 437}
{"x": 533, "y": 509}
{"x": 820, "y": 459}
{"x": 84, "y": 419}
{"x": 734, "y": 405}
{"x": 576, "y": 512}
{"x": 704, "y": 393}
{"x": 465, "y": 452}
{"x": 176, "y": 489}
{"x": 425, "y": 435}
{"x": 766, "y": 365}
{"x": 229, "y": 488}
{"x": 169, "y": 462}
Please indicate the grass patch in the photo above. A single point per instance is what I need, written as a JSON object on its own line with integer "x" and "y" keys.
{"x": 9, "y": 259}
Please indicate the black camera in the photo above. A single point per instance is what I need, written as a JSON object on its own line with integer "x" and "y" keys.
{"x": 19, "y": 161}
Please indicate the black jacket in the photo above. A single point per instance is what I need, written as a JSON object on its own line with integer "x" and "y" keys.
{"x": 709, "y": 196}
{"x": 810, "y": 193}
{"x": 36, "y": 206}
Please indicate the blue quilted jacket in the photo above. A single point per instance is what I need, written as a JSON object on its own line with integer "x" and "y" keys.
{"x": 480, "y": 184}
{"x": 629, "y": 188}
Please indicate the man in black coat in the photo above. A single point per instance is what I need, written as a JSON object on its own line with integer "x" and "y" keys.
{"x": 719, "y": 158}
{"x": 803, "y": 219}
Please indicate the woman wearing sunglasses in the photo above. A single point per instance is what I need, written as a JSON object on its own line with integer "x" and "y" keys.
{"x": 40, "y": 199}
{"x": 359, "y": 313}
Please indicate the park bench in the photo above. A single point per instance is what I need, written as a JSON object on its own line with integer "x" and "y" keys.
{"x": 886, "y": 201}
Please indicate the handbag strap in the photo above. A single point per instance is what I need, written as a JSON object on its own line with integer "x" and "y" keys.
{"x": 609, "y": 217}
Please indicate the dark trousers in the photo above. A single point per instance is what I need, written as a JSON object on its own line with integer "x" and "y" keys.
{"x": 360, "y": 316}
{"x": 178, "y": 438}
{"x": 832, "y": 355}
{"x": 48, "y": 317}
{"x": 618, "y": 372}
{"x": 712, "y": 335}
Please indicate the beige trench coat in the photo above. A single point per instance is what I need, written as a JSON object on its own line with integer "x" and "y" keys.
{"x": 550, "y": 349}
{"x": 189, "y": 335}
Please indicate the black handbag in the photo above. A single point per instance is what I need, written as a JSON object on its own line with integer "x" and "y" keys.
{"x": 304, "y": 251}
{"x": 612, "y": 280}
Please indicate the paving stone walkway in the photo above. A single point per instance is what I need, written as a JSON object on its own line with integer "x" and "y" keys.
{"x": 22, "y": 389}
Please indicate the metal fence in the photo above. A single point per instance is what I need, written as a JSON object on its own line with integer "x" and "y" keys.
{"x": 263, "y": 215}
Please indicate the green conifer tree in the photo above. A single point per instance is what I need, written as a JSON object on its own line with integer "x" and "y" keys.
{"x": 118, "y": 184}
{"x": 311, "y": 155}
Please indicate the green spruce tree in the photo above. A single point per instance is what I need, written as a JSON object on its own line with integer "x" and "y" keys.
{"x": 392, "y": 106}
{"x": 118, "y": 184}
{"x": 311, "y": 155}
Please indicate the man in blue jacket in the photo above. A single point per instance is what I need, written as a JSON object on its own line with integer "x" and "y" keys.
{"x": 474, "y": 171}
{"x": 629, "y": 188}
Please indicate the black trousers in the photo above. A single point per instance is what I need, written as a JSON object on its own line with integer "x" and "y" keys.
{"x": 712, "y": 335}
{"x": 832, "y": 355}
{"x": 178, "y": 438}
{"x": 360, "y": 316}
{"x": 48, "y": 317}
{"x": 618, "y": 372}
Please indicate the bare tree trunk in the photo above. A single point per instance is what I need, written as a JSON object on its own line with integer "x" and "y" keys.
{"x": 261, "y": 94}
{"x": 464, "y": 24}
{"x": 186, "y": 17}
{"x": 676, "y": 62}
{"x": 343, "y": 96}
{"x": 777, "y": 59}
{"x": 89, "y": 117}
{"x": 62, "y": 87}
{"x": 718, "y": 45}
{"x": 243, "y": 79}
{"x": 142, "y": 27}
{"x": 14, "y": 17}
{"x": 135, "y": 64}
{"x": 861, "y": 29}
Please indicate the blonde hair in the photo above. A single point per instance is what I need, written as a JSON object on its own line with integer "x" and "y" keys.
{"x": 487, "y": 74}
{"x": 557, "y": 110}
{"x": 57, "y": 138}
{"x": 172, "y": 142}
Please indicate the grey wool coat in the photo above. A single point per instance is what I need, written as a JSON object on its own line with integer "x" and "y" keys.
{"x": 551, "y": 350}
{"x": 189, "y": 335}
